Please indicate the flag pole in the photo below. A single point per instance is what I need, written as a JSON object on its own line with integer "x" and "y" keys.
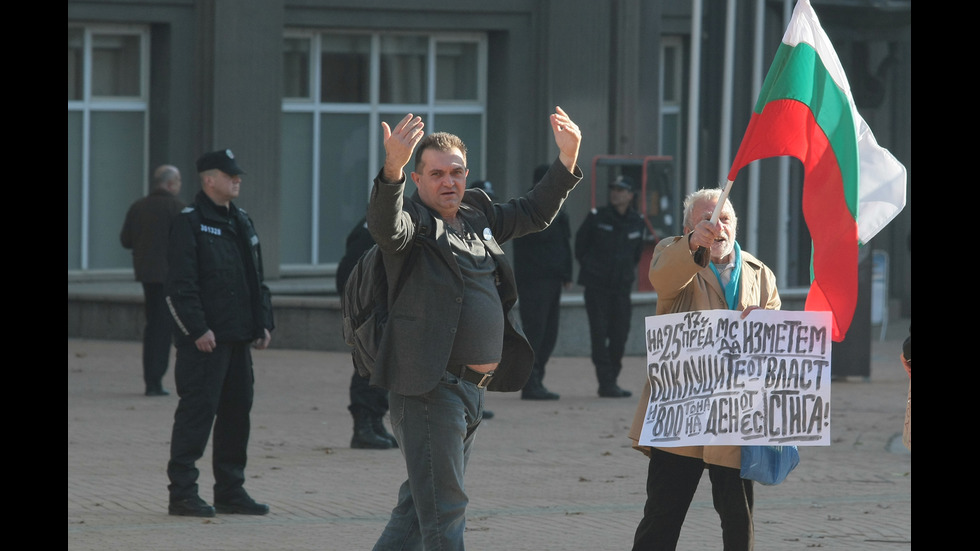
{"x": 699, "y": 254}
{"x": 721, "y": 202}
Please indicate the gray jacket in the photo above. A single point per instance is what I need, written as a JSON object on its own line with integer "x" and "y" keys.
{"x": 422, "y": 320}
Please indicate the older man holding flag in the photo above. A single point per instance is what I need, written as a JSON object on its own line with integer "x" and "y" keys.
{"x": 852, "y": 188}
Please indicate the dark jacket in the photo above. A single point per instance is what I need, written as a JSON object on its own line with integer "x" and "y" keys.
{"x": 215, "y": 280}
{"x": 359, "y": 240}
{"x": 145, "y": 231}
{"x": 608, "y": 247}
{"x": 546, "y": 254}
{"x": 422, "y": 321}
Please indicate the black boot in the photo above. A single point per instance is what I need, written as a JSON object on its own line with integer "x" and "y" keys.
{"x": 534, "y": 389}
{"x": 538, "y": 393}
{"x": 379, "y": 428}
{"x": 364, "y": 435}
{"x": 613, "y": 391}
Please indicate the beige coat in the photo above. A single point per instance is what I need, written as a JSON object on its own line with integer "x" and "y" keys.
{"x": 684, "y": 286}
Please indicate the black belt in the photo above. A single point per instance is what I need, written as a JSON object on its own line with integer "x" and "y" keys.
{"x": 481, "y": 380}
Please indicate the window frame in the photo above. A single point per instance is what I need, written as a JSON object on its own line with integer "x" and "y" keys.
{"x": 89, "y": 104}
{"x": 375, "y": 111}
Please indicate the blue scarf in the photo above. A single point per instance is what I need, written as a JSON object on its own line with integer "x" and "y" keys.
{"x": 731, "y": 290}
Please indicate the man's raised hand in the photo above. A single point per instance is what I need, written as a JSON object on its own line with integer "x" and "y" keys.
{"x": 567, "y": 138}
{"x": 399, "y": 145}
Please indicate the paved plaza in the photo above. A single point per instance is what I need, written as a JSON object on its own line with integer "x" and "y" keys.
{"x": 544, "y": 475}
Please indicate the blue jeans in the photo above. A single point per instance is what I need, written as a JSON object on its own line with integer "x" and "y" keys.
{"x": 435, "y": 432}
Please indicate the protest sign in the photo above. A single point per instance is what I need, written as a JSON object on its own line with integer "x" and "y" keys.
{"x": 717, "y": 379}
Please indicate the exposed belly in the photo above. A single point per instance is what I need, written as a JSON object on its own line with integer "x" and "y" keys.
{"x": 483, "y": 368}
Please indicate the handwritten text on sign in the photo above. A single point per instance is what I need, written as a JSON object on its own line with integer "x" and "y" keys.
{"x": 717, "y": 379}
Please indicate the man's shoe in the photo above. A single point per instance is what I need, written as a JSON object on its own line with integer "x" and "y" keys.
{"x": 613, "y": 391}
{"x": 487, "y": 414}
{"x": 157, "y": 392}
{"x": 190, "y": 507}
{"x": 241, "y": 505}
{"x": 539, "y": 393}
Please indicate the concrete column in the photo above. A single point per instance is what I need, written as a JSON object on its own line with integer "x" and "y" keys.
{"x": 240, "y": 76}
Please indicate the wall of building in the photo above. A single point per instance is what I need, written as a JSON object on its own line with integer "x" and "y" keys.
{"x": 216, "y": 71}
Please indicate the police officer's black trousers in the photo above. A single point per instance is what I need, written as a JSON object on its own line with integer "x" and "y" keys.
{"x": 609, "y": 326}
{"x": 214, "y": 388}
{"x": 365, "y": 399}
{"x": 540, "y": 307}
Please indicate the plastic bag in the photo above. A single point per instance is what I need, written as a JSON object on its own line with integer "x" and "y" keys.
{"x": 769, "y": 465}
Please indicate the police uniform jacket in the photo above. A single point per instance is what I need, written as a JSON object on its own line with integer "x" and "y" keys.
{"x": 215, "y": 279}
{"x": 422, "y": 320}
{"x": 608, "y": 246}
{"x": 684, "y": 286}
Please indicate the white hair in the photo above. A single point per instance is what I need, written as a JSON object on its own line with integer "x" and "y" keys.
{"x": 705, "y": 195}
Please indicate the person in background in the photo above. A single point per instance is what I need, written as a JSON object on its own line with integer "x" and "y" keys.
{"x": 608, "y": 246}
{"x": 542, "y": 267}
{"x": 146, "y": 231}
{"x": 368, "y": 404}
{"x": 221, "y": 309}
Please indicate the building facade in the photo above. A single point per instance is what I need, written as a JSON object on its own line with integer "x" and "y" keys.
{"x": 298, "y": 88}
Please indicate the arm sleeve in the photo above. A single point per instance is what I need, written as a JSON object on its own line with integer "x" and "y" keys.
{"x": 268, "y": 321}
{"x": 534, "y": 211}
{"x": 390, "y": 226}
{"x": 183, "y": 290}
{"x": 638, "y": 247}
{"x": 566, "y": 235}
{"x": 673, "y": 267}
{"x": 773, "y": 302}
{"x": 583, "y": 237}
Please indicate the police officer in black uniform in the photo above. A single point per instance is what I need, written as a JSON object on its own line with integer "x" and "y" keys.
{"x": 221, "y": 307}
{"x": 542, "y": 268}
{"x": 608, "y": 247}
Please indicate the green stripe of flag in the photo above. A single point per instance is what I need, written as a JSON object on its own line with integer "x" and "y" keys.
{"x": 798, "y": 74}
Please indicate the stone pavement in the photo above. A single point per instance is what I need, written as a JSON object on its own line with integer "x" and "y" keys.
{"x": 544, "y": 475}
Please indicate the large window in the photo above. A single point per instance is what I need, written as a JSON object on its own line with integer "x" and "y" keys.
{"x": 107, "y": 146}
{"x": 337, "y": 88}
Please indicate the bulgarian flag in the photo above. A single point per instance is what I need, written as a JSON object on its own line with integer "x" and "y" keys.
{"x": 852, "y": 187}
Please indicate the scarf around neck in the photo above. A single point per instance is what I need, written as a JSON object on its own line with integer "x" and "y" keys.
{"x": 731, "y": 290}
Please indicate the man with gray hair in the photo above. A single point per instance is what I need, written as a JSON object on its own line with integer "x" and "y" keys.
{"x": 145, "y": 231}
{"x": 704, "y": 269}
